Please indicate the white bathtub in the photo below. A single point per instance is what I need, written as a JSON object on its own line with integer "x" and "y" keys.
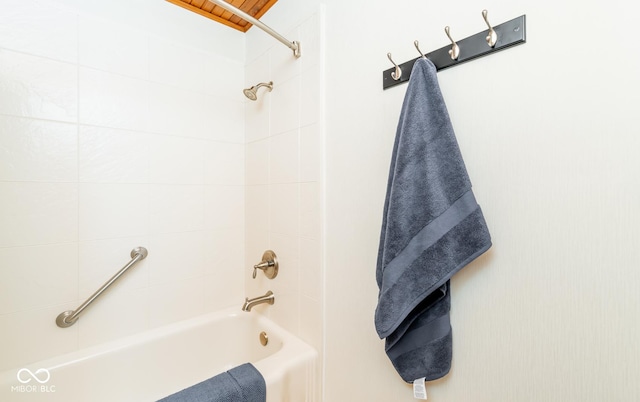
{"x": 157, "y": 363}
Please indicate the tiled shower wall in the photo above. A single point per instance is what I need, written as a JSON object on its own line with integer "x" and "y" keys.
{"x": 112, "y": 138}
{"x": 284, "y": 156}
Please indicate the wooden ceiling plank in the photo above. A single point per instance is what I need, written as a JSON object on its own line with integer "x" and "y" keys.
{"x": 255, "y": 8}
{"x": 249, "y": 7}
{"x": 228, "y": 14}
{"x": 217, "y": 10}
{"x": 237, "y": 20}
{"x": 207, "y": 6}
{"x": 246, "y": 6}
{"x": 207, "y": 14}
{"x": 264, "y": 8}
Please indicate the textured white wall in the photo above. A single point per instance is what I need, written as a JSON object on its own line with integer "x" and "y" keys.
{"x": 113, "y": 137}
{"x": 549, "y": 133}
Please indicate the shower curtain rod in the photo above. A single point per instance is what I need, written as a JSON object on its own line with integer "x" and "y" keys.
{"x": 295, "y": 45}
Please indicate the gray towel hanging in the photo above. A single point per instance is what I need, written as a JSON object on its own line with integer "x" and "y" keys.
{"x": 432, "y": 227}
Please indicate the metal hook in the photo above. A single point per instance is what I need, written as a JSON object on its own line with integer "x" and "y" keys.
{"x": 416, "y": 44}
{"x": 455, "y": 49}
{"x": 492, "y": 36}
{"x": 398, "y": 73}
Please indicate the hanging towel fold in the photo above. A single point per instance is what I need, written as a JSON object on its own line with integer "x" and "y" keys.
{"x": 432, "y": 227}
{"x": 240, "y": 384}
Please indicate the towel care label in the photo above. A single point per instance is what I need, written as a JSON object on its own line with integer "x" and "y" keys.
{"x": 419, "y": 389}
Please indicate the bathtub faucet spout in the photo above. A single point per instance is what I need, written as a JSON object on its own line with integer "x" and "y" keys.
{"x": 249, "y": 303}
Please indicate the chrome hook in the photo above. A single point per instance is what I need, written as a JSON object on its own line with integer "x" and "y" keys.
{"x": 416, "y": 44}
{"x": 398, "y": 73}
{"x": 455, "y": 49}
{"x": 492, "y": 36}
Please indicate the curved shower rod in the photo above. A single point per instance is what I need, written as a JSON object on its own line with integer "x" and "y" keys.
{"x": 295, "y": 45}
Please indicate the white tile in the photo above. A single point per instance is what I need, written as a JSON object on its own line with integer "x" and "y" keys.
{"x": 257, "y": 162}
{"x": 38, "y": 213}
{"x": 39, "y": 28}
{"x": 311, "y": 276}
{"x": 257, "y": 222}
{"x": 222, "y": 294}
{"x": 310, "y": 96}
{"x": 38, "y": 276}
{"x": 111, "y": 47}
{"x": 310, "y": 211}
{"x": 225, "y": 269}
{"x": 225, "y": 120}
{"x": 311, "y": 37}
{"x": 30, "y": 336}
{"x": 113, "y": 156}
{"x": 225, "y": 247}
{"x": 256, "y": 117}
{"x": 258, "y": 70}
{"x": 287, "y": 248}
{"x": 311, "y": 328}
{"x": 180, "y": 112}
{"x": 175, "y": 301}
{"x": 224, "y": 163}
{"x": 101, "y": 259}
{"x": 224, "y": 78}
{"x": 173, "y": 64}
{"x": 176, "y": 160}
{"x": 37, "y": 150}
{"x": 285, "y": 311}
{"x": 176, "y": 208}
{"x": 176, "y": 256}
{"x": 257, "y": 112}
{"x": 113, "y": 210}
{"x": 285, "y": 106}
{"x": 118, "y": 313}
{"x": 310, "y": 153}
{"x": 283, "y": 158}
{"x": 257, "y": 208}
{"x": 32, "y": 86}
{"x": 284, "y": 209}
{"x": 257, "y": 44}
{"x": 224, "y": 207}
{"x": 112, "y": 100}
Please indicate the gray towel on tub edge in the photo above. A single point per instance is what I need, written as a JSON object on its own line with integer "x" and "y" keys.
{"x": 240, "y": 384}
{"x": 432, "y": 227}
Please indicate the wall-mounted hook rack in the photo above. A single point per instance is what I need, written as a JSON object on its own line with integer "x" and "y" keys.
{"x": 509, "y": 34}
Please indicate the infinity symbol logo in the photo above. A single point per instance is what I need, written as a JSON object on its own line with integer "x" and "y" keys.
{"x": 33, "y": 375}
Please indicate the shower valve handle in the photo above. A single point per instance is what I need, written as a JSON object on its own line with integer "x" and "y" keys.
{"x": 269, "y": 265}
{"x": 263, "y": 266}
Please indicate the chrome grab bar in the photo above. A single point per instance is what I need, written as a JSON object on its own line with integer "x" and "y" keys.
{"x": 69, "y": 317}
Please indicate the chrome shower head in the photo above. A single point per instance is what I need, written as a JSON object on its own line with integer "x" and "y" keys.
{"x": 252, "y": 93}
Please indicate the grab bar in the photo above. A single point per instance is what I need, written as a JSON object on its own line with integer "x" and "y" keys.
{"x": 69, "y": 317}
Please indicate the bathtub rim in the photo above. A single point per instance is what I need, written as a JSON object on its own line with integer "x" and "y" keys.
{"x": 270, "y": 367}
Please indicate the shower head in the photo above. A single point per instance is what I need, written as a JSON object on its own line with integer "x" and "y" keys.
{"x": 252, "y": 93}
